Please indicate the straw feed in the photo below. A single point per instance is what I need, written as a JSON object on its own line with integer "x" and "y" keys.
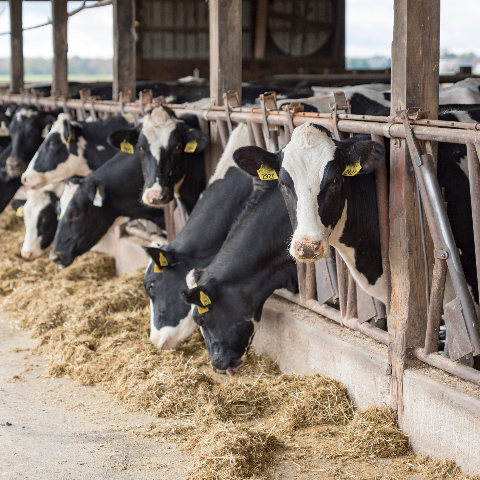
{"x": 94, "y": 328}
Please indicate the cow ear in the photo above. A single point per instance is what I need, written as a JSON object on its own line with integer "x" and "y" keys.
{"x": 363, "y": 157}
{"x": 46, "y": 122}
{"x": 17, "y": 205}
{"x": 128, "y": 135}
{"x": 162, "y": 258}
{"x": 253, "y": 159}
{"x": 200, "y": 296}
{"x": 194, "y": 140}
{"x": 67, "y": 131}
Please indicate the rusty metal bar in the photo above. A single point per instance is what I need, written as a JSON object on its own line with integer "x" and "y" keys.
{"x": 381, "y": 182}
{"x": 333, "y": 314}
{"x": 474, "y": 178}
{"x": 310, "y": 281}
{"x": 455, "y": 368}
{"x": 342, "y": 272}
{"x": 436, "y": 306}
{"x": 223, "y": 131}
{"x": 351, "y": 297}
{"x": 302, "y": 279}
{"x": 258, "y": 133}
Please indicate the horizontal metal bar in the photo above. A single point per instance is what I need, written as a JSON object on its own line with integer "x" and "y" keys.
{"x": 458, "y": 369}
{"x": 332, "y": 314}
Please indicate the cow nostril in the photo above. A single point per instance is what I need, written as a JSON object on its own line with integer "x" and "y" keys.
{"x": 27, "y": 255}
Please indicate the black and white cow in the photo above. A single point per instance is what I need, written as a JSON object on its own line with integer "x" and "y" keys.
{"x": 253, "y": 262}
{"x": 73, "y": 148}
{"x": 8, "y": 185}
{"x": 39, "y": 212}
{"x": 195, "y": 246}
{"x": 6, "y": 116}
{"x": 171, "y": 149}
{"x": 28, "y": 130}
{"x": 90, "y": 206}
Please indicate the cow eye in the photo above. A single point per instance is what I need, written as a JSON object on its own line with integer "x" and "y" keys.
{"x": 200, "y": 321}
{"x": 178, "y": 146}
{"x": 150, "y": 288}
{"x": 336, "y": 180}
{"x": 75, "y": 216}
{"x": 140, "y": 148}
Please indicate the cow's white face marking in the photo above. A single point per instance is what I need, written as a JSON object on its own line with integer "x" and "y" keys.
{"x": 73, "y": 165}
{"x": 169, "y": 338}
{"x": 305, "y": 159}
{"x": 100, "y": 147}
{"x": 157, "y": 128}
{"x": 191, "y": 283}
{"x": 155, "y": 188}
{"x": 68, "y": 193}
{"x": 129, "y": 117}
{"x": 26, "y": 112}
{"x": 238, "y": 138}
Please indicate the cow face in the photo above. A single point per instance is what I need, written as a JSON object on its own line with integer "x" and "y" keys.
{"x": 40, "y": 218}
{"x": 225, "y": 320}
{"x": 171, "y": 320}
{"x": 60, "y": 156}
{"x": 26, "y": 129}
{"x": 164, "y": 144}
{"x": 84, "y": 219}
{"x": 314, "y": 174}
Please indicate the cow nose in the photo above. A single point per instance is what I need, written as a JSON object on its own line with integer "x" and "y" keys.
{"x": 155, "y": 198}
{"x": 27, "y": 255}
{"x": 308, "y": 250}
{"x": 55, "y": 257}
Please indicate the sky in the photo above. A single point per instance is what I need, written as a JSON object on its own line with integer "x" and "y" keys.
{"x": 369, "y": 29}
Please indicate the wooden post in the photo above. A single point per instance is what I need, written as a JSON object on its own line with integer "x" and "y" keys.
{"x": 261, "y": 30}
{"x": 60, "y": 47}
{"x": 16, "y": 35}
{"x": 415, "y": 59}
{"x": 124, "y": 47}
{"x": 225, "y": 61}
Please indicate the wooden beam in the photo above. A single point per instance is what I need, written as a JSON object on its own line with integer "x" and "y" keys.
{"x": 261, "y": 30}
{"x": 415, "y": 59}
{"x": 60, "y": 47}
{"x": 124, "y": 47}
{"x": 16, "y": 56}
{"x": 225, "y": 61}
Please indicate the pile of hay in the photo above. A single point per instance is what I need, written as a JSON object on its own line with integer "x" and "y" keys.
{"x": 94, "y": 328}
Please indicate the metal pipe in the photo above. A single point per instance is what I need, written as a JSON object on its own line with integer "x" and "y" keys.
{"x": 332, "y": 314}
{"x": 436, "y": 306}
{"x": 223, "y": 131}
{"x": 352, "y": 311}
{"x": 474, "y": 179}
{"x": 310, "y": 281}
{"x": 342, "y": 273}
{"x": 258, "y": 133}
{"x": 455, "y": 368}
{"x": 453, "y": 259}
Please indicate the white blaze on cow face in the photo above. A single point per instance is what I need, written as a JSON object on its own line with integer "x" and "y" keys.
{"x": 26, "y": 112}
{"x": 169, "y": 338}
{"x": 68, "y": 193}
{"x": 73, "y": 165}
{"x": 305, "y": 159}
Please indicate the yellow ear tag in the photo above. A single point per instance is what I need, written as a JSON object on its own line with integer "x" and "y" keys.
{"x": 157, "y": 270}
{"x": 20, "y": 212}
{"x": 163, "y": 261}
{"x": 352, "y": 170}
{"x": 190, "y": 147}
{"x": 205, "y": 299}
{"x": 69, "y": 138}
{"x": 202, "y": 309}
{"x": 58, "y": 218}
{"x": 126, "y": 147}
{"x": 267, "y": 173}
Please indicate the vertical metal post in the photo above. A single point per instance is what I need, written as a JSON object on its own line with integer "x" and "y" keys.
{"x": 16, "y": 44}
{"x": 60, "y": 47}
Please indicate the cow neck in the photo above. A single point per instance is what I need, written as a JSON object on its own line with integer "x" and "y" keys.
{"x": 194, "y": 180}
{"x": 357, "y": 235}
{"x": 256, "y": 248}
{"x": 217, "y": 209}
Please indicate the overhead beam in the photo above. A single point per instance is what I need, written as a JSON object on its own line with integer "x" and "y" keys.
{"x": 16, "y": 43}
{"x": 415, "y": 60}
{"x": 124, "y": 47}
{"x": 60, "y": 47}
{"x": 225, "y": 62}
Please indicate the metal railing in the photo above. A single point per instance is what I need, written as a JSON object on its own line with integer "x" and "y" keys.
{"x": 329, "y": 280}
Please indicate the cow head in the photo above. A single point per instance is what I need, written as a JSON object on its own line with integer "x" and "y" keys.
{"x": 314, "y": 173}
{"x": 60, "y": 156}
{"x": 171, "y": 321}
{"x": 84, "y": 219}
{"x": 164, "y": 143}
{"x": 27, "y": 129}
{"x": 225, "y": 321}
{"x": 40, "y": 218}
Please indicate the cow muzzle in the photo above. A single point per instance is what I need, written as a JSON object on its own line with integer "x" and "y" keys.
{"x": 28, "y": 255}
{"x": 15, "y": 166}
{"x": 310, "y": 250}
{"x": 33, "y": 180}
{"x": 156, "y": 199}
{"x": 56, "y": 257}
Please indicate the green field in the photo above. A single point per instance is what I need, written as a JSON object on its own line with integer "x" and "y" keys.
{"x": 72, "y": 78}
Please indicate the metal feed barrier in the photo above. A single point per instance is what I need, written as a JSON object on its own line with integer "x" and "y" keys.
{"x": 328, "y": 280}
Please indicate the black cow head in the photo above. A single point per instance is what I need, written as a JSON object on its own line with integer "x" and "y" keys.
{"x": 315, "y": 174}
{"x": 60, "y": 156}
{"x": 164, "y": 143}
{"x": 171, "y": 321}
{"x": 85, "y": 217}
{"x": 28, "y": 128}
{"x": 226, "y": 322}
{"x": 40, "y": 218}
